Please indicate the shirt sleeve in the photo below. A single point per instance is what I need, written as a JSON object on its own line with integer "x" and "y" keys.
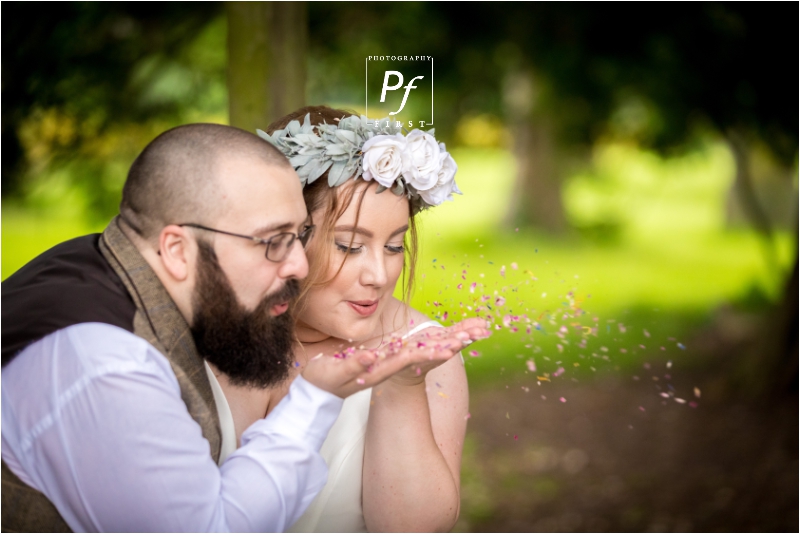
{"x": 94, "y": 419}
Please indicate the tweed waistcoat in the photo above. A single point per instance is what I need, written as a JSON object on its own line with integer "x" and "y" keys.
{"x": 158, "y": 321}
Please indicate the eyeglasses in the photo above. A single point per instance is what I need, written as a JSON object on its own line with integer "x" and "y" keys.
{"x": 278, "y": 246}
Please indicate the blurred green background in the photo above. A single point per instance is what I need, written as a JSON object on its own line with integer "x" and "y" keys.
{"x": 650, "y": 169}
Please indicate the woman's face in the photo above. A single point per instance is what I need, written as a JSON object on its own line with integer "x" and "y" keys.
{"x": 352, "y": 305}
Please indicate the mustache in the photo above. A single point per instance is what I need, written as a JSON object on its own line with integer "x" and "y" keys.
{"x": 288, "y": 293}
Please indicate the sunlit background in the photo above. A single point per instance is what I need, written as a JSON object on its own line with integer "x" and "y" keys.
{"x": 609, "y": 165}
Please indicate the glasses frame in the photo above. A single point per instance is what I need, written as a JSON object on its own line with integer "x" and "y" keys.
{"x": 304, "y": 237}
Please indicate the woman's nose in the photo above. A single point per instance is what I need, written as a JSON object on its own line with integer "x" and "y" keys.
{"x": 374, "y": 272}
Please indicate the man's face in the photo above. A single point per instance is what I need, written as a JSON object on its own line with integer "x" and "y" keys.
{"x": 260, "y": 200}
{"x": 240, "y": 297}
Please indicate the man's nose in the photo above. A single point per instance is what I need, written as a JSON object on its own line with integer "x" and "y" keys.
{"x": 296, "y": 263}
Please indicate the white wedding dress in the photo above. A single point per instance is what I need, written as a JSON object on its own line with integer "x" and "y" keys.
{"x": 337, "y": 508}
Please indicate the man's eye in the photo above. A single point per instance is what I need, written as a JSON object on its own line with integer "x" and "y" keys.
{"x": 349, "y": 250}
{"x": 395, "y": 249}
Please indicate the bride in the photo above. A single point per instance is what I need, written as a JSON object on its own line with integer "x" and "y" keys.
{"x": 394, "y": 454}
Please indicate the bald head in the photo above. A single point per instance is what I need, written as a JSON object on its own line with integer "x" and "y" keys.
{"x": 176, "y": 177}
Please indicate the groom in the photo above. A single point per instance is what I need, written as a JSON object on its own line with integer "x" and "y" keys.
{"x": 108, "y": 418}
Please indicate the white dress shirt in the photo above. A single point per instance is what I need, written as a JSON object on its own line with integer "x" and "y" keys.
{"x": 92, "y": 417}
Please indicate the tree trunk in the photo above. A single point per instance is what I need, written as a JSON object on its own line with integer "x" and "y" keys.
{"x": 267, "y": 44}
{"x": 537, "y": 191}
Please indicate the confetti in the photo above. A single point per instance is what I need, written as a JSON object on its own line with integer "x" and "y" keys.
{"x": 444, "y": 396}
{"x": 681, "y": 346}
{"x": 532, "y": 366}
{"x": 507, "y": 416}
{"x": 360, "y": 381}
{"x": 562, "y": 399}
{"x": 514, "y": 265}
{"x": 474, "y": 353}
{"x": 697, "y": 392}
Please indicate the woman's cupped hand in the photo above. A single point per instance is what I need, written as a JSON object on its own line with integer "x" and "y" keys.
{"x": 404, "y": 361}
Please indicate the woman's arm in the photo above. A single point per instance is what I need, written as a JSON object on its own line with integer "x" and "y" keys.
{"x": 412, "y": 456}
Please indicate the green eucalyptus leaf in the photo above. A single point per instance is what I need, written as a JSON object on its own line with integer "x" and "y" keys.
{"x": 317, "y": 168}
{"x": 398, "y": 188}
{"x": 335, "y": 173}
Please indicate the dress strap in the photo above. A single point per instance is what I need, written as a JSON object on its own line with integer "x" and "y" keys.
{"x": 422, "y": 326}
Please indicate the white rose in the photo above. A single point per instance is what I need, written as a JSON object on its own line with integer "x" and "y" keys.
{"x": 383, "y": 158}
{"x": 422, "y": 161}
{"x": 445, "y": 182}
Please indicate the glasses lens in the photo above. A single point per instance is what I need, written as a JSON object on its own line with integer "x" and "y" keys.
{"x": 279, "y": 247}
{"x": 305, "y": 235}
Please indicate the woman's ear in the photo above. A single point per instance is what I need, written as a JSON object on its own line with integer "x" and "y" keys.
{"x": 176, "y": 251}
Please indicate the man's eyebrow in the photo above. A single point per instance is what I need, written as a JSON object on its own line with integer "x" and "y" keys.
{"x": 277, "y": 227}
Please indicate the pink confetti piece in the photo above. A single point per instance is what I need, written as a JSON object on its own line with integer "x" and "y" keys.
{"x": 499, "y": 301}
{"x": 472, "y": 287}
{"x": 459, "y": 286}
{"x": 360, "y": 381}
{"x": 444, "y": 317}
{"x": 531, "y": 365}
{"x": 503, "y": 271}
{"x": 641, "y": 408}
{"x": 467, "y": 416}
{"x": 474, "y": 353}
{"x": 558, "y": 372}
{"x": 646, "y": 333}
{"x": 697, "y": 392}
{"x": 562, "y": 399}
{"x": 514, "y": 265}
{"x": 515, "y": 437}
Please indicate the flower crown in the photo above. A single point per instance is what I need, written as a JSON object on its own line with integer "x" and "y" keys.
{"x": 414, "y": 165}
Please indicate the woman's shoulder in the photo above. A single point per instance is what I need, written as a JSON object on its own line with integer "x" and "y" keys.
{"x": 409, "y": 320}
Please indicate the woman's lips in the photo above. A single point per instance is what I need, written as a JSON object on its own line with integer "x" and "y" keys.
{"x": 364, "y": 308}
{"x": 278, "y": 309}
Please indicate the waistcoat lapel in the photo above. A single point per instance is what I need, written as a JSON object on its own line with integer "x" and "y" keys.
{"x": 159, "y": 321}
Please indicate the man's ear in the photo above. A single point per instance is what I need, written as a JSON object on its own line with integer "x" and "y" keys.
{"x": 176, "y": 249}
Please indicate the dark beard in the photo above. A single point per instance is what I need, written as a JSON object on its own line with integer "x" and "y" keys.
{"x": 253, "y": 349}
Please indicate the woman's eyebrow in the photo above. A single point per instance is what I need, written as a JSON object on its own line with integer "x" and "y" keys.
{"x": 367, "y": 233}
{"x": 400, "y": 230}
{"x": 355, "y": 230}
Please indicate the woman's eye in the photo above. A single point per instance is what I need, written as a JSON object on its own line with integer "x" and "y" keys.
{"x": 395, "y": 249}
{"x": 349, "y": 250}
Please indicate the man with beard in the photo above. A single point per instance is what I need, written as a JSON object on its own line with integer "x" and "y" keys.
{"x": 108, "y": 418}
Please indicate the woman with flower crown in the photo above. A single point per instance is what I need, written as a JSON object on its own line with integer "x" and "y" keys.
{"x": 394, "y": 454}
